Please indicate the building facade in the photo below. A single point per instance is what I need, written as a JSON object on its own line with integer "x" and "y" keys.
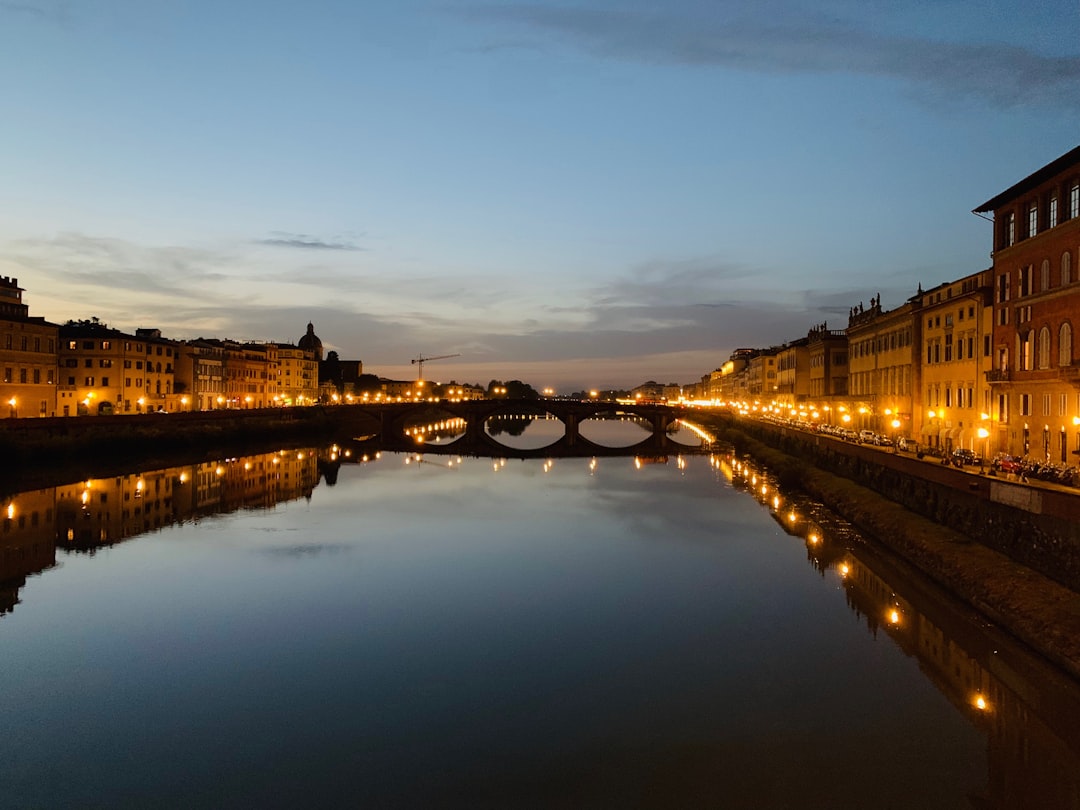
{"x": 1035, "y": 379}
{"x": 28, "y": 357}
{"x": 956, "y": 323}
{"x": 883, "y": 368}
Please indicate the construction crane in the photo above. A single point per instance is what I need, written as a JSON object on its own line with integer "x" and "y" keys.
{"x": 419, "y": 361}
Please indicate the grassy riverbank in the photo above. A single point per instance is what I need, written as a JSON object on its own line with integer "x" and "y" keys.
{"x": 1040, "y": 612}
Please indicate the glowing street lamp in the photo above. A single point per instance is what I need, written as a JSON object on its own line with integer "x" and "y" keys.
{"x": 983, "y": 434}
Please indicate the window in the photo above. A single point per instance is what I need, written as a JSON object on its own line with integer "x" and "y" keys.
{"x": 1024, "y": 349}
{"x": 1002, "y": 289}
{"x": 1044, "y": 275}
{"x": 1033, "y": 219}
{"x": 1044, "y": 348}
{"x": 88, "y": 381}
{"x": 986, "y": 345}
{"x": 1066, "y": 268}
{"x": 104, "y": 381}
{"x": 1046, "y": 405}
{"x": 71, "y": 381}
{"x": 1025, "y": 281}
{"x": 1053, "y": 213}
{"x": 105, "y": 363}
{"x": 948, "y": 348}
{"x": 22, "y": 375}
{"x": 1074, "y": 200}
{"x": 1065, "y": 345}
{"x": 1010, "y": 230}
{"x": 1025, "y": 404}
{"x": 37, "y": 376}
{"x": 50, "y": 377}
{"x": 71, "y": 345}
{"x": 106, "y": 344}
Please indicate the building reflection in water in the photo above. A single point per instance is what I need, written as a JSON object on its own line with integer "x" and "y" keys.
{"x": 1028, "y": 709}
{"x": 85, "y": 516}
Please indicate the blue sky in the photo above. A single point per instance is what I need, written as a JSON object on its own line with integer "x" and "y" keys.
{"x": 576, "y": 194}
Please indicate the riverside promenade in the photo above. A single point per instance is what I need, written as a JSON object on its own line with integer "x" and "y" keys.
{"x": 1009, "y": 550}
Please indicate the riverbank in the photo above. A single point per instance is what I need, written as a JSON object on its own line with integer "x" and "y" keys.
{"x": 1039, "y": 611}
{"x": 38, "y": 452}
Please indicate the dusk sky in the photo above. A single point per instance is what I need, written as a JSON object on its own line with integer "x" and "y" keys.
{"x": 576, "y": 194}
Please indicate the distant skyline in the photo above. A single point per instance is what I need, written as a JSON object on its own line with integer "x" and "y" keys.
{"x": 579, "y": 194}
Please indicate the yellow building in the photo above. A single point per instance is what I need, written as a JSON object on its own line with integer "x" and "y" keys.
{"x": 828, "y": 352}
{"x": 27, "y": 357}
{"x": 956, "y": 323}
{"x": 882, "y": 368}
{"x": 200, "y": 374}
{"x": 296, "y": 375}
{"x": 792, "y": 374}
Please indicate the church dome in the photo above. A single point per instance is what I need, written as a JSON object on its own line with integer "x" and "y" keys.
{"x": 310, "y": 341}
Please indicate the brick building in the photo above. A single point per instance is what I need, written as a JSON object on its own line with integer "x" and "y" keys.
{"x": 1035, "y": 380}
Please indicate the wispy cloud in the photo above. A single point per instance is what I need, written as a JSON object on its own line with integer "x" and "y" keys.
{"x": 45, "y": 10}
{"x": 305, "y": 241}
{"x": 802, "y": 42}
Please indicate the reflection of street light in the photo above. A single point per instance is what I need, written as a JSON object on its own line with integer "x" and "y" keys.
{"x": 14, "y": 409}
{"x": 983, "y": 434}
{"x": 896, "y": 435}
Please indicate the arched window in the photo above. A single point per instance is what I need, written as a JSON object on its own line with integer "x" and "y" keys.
{"x": 1044, "y": 348}
{"x": 1066, "y": 268}
{"x": 1044, "y": 275}
{"x": 1065, "y": 345}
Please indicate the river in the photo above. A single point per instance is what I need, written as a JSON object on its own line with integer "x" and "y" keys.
{"x": 299, "y": 628}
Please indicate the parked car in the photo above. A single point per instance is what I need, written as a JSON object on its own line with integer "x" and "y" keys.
{"x": 962, "y": 456}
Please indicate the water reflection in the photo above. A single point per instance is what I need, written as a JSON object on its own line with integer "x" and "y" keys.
{"x": 85, "y": 516}
{"x": 1029, "y": 710}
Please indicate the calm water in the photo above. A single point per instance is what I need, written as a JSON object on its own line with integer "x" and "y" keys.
{"x": 436, "y": 632}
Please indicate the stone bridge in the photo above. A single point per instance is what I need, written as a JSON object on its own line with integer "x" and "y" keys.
{"x": 394, "y": 418}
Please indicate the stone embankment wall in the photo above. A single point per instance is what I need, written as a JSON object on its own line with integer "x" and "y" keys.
{"x": 1038, "y": 527}
{"x": 33, "y": 446}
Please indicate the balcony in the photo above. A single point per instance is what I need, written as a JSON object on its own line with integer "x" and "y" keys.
{"x": 997, "y": 375}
